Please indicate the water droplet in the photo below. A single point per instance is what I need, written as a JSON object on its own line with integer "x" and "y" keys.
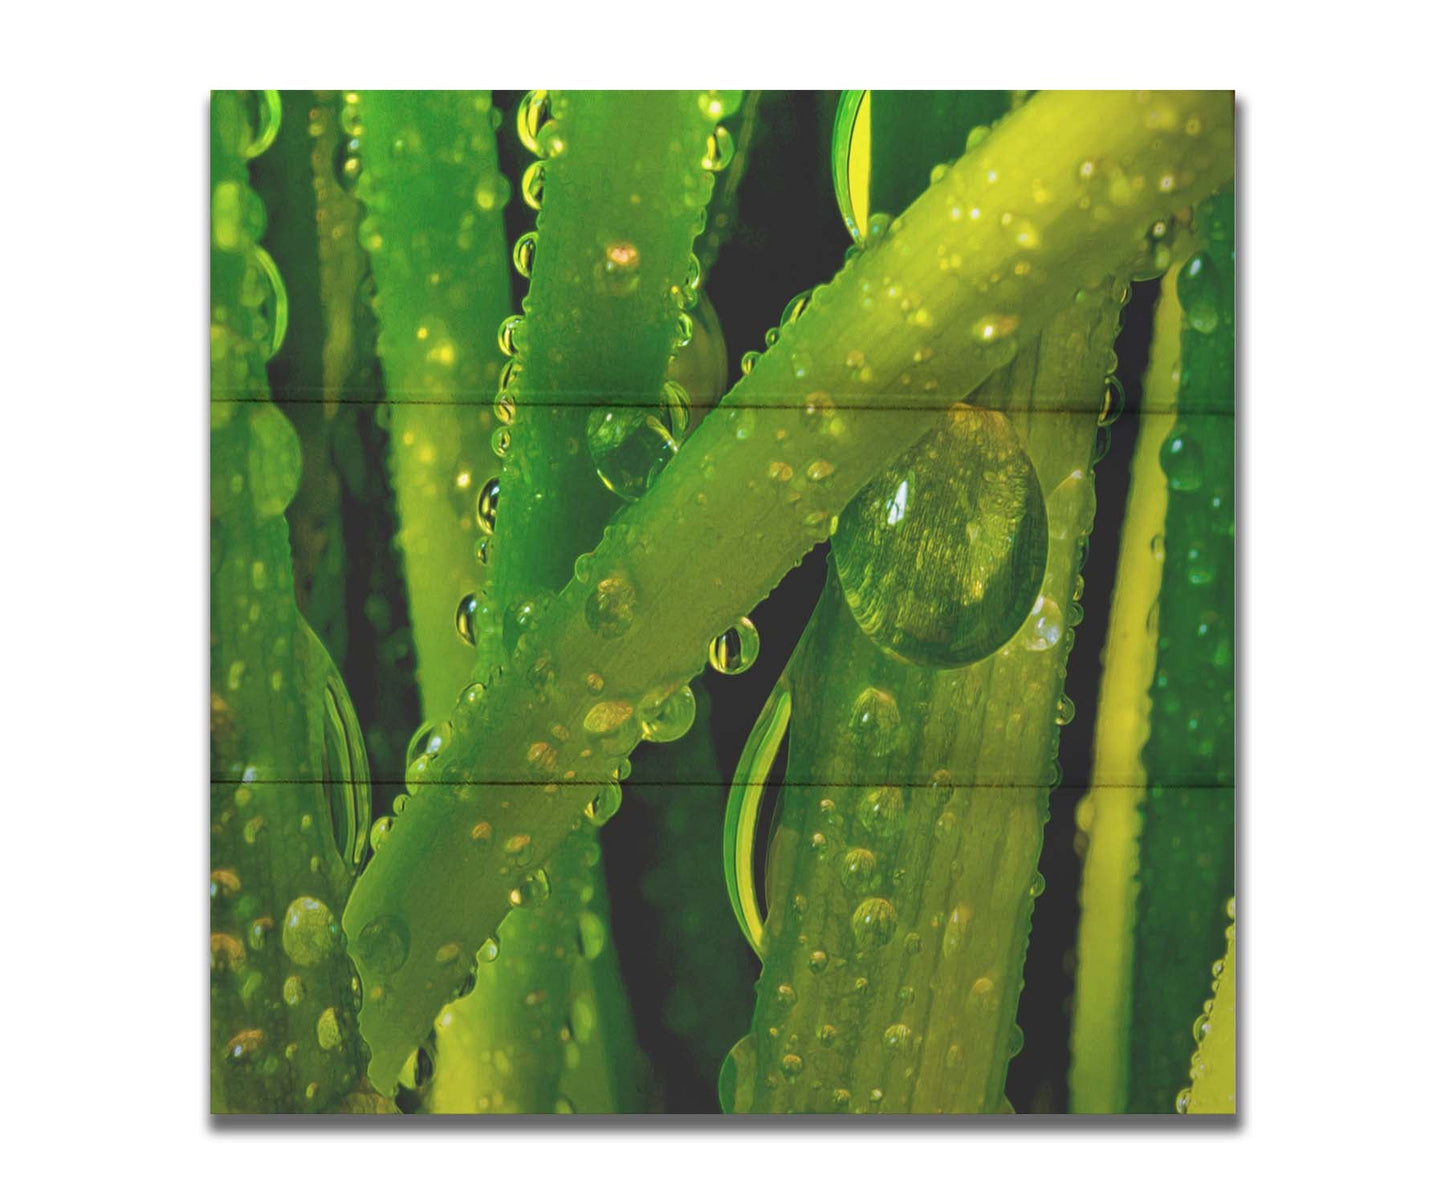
{"x": 955, "y": 931}
{"x": 629, "y": 447}
{"x": 819, "y": 413}
{"x": 487, "y": 501}
{"x": 533, "y": 113}
{"x": 489, "y": 952}
{"x": 550, "y": 141}
{"x": 610, "y": 607}
{"x": 608, "y": 717}
{"x": 309, "y": 932}
{"x": 736, "y": 649}
{"x": 941, "y": 786}
{"x": 667, "y": 715}
{"x": 467, "y": 621}
{"x": 532, "y": 180}
{"x": 942, "y": 554}
{"x": 898, "y": 1038}
{"x": 717, "y": 105}
{"x": 511, "y": 333}
{"x": 881, "y": 809}
{"x": 427, "y": 740}
{"x": 874, "y": 922}
{"x": 521, "y": 617}
{"x": 1182, "y": 462}
{"x": 817, "y": 961}
{"x": 735, "y": 1080}
{"x": 860, "y": 870}
{"x": 293, "y": 990}
{"x": 501, "y": 442}
{"x": 618, "y": 273}
{"x": 720, "y": 150}
{"x": 383, "y": 943}
{"x": 531, "y": 890}
{"x": 875, "y": 725}
{"x": 677, "y": 408}
{"x": 993, "y": 329}
{"x": 1065, "y": 713}
{"x": 524, "y": 254}
{"x": 328, "y": 1030}
{"x": 791, "y": 1066}
{"x": 1201, "y": 294}
{"x": 1112, "y": 404}
{"x": 380, "y": 830}
{"x": 1044, "y": 626}
{"x": 606, "y": 804}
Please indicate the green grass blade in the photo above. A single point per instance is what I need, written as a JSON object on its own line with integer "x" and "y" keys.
{"x": 1109, "y": 815}
{"x": 904, "y": 869}
{"x": 286, "y": 760}
{"x": 1186, "y": 844}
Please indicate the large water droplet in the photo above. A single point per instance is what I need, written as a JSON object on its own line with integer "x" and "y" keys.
{"x": 467, "y": 622}
{"x": 874, "y": 923}
{"x": 533, "y": 888}
{"x": 487, "y": 502}
{"x": 610, "y": 606}
{"x": 875, "y": 724}
{"x": 1182, "y": 462}
{"x": 533, "y": 113}
{"x": 629, "y": 447}
{"x": 309, "y": 932}
{"x": 524, "y": 254}
{"x": 720, "y": 150}
{"x": 735, "y": 1080}
{"x": 942, "y": 555}
{"x": 667, "y": 715}
{"x": 382, "y": 944}
{"x": 736, "y": 649}
{"x": 1201, "y": 292}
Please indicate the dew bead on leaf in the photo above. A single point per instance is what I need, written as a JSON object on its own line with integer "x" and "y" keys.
{"x": 629, "y": 447}
{"x": 309, "y": 931}
{"x": 487, "y": 503}
{"x": 524, "y": 254}
{"x": 735, "y": 650}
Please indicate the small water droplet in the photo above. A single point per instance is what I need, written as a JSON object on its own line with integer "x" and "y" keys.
{"x": 533, "y": 888}
{"x": 609, "y": 609}
{"x": 487, "y": 502}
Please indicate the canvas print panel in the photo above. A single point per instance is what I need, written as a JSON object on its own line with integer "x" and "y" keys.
{"x": 651, "y": 667}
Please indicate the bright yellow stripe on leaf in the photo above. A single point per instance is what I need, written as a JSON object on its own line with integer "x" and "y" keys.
{"x": 860, "y": 160}
{"x": 740, "y": 822}
{"x": 1108, "y": 816}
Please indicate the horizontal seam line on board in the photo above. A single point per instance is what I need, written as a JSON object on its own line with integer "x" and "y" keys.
{"x": 981, "y": 785}
{"x": 901, "y": 407}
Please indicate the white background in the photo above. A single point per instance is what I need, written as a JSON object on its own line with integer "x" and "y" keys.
{"x": 105, "y": 564}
